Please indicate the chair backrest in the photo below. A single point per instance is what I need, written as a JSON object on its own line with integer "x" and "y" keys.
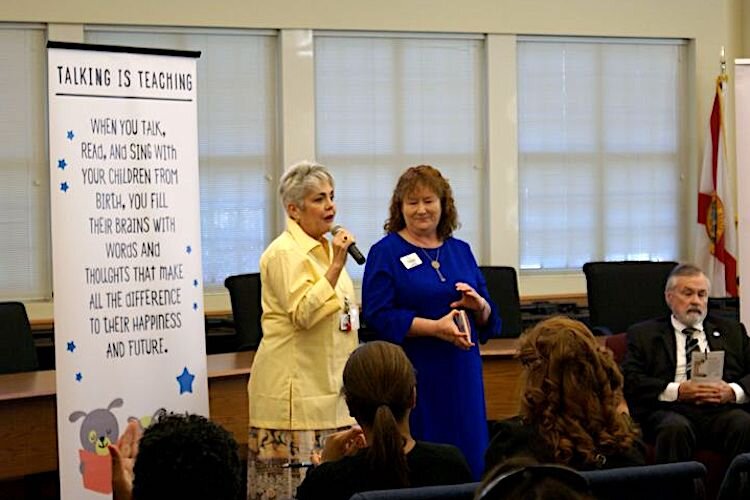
{"x": 736, "y": 483}
{"x": 502, "y": 284}
{"x": 244, "y": 293}
{"x": 618, "y": 344}
{"x": 677, "y": 481}
{"x": 448, "y": 492}
{"x": 623, "y": 293}
{"x": 17, "y": 349}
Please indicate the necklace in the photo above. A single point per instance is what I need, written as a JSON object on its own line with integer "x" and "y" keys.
{"x": 435, "y": 263}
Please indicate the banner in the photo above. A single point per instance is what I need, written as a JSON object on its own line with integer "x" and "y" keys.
{"x": 742, "y": 118}
{"x": 126, "y": 247}
{"x": 716, "y": 243}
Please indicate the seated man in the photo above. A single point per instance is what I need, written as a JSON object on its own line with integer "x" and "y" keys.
{"x": 675, "y": 412}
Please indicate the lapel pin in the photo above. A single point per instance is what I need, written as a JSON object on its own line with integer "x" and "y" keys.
{"x": 716, "y": 334}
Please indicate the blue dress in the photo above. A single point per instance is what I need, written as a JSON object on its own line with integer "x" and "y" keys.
{"x": 450, "y": 392}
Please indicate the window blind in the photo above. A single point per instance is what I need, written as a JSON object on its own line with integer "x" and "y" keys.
{"x": 388, "y": 102}
{"x": 237, "y": 122}
{"x": 601, "y": 128}
{"x": 24, "y": 169}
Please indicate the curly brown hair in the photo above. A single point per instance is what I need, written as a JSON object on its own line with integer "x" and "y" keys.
{"x": 571, "y": 393}
{"x": 428, "y": 177}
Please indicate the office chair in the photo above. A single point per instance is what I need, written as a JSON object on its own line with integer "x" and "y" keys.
{"x": 736, "y": 482}
{"x": 623, "y": 293}
{"x": 17, "y": 349}
{"x": 502, "y": 284}
{"x": 244, "y": 293}
{"x": 677, "y": 481}
{"x": 447, "y": 492}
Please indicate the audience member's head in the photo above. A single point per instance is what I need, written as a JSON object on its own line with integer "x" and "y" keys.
{"x": 380, "y": 391}
{"x": 186, "y": 457}
{"x": 524, "y": 479}
{"x": 572, "y": 393}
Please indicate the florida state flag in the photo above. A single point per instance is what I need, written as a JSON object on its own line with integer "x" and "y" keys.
{"x": 716, "y": 243}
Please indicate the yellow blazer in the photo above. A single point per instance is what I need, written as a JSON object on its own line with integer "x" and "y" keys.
{"x": 296, "y": 377}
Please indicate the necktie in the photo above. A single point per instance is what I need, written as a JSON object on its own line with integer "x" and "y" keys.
{"x": 691, "y": 344}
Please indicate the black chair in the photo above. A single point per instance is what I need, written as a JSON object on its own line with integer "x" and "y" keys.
{"x": 451, "y": 492}
{"x": 677, "y": 481}
{"x": 17, "y": 349}
{"x": 244, "y": 293}
{"x": 623, "y": 293}
{"x": 736, "y": 482}
{"x": 502, "y": 284}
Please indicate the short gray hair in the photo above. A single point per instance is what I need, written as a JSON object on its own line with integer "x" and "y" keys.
{"x": 684, "y": 270}
{"x": 299, "y": 179}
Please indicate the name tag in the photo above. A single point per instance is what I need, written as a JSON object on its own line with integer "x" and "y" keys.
{"x": 411, "y": 260}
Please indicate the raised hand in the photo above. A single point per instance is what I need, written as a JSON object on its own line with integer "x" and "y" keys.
{"x": 123, "y": 458}
{"x": 470, "y": 299}
{"x": 343, "y": 443}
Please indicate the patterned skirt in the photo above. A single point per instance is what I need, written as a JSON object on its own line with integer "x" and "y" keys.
{"x": 277, "y": 460}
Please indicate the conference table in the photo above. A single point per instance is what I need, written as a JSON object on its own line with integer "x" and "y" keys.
{"x": 28, "y": 420}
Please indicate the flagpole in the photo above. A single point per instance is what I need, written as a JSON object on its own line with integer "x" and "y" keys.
{"x": 716, "y": 245}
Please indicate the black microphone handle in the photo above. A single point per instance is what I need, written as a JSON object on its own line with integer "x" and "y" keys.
{"x": 356, "y": 254}
{"x": 351, "y": 249}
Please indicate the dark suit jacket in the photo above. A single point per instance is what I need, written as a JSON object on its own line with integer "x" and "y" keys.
{"x": 651, "y": 360}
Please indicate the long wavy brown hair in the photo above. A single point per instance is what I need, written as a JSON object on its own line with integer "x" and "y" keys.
{"x": 572, "y": 391}
{"x": 428, "y": 177}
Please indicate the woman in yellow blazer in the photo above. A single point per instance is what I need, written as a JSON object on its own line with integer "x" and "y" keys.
{"x": 310, "y": 323}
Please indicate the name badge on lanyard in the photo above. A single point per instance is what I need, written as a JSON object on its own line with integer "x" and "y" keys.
{"x": 349, "y": 319}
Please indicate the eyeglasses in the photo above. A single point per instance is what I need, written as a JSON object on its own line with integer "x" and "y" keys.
{"x": 511, "y": 478}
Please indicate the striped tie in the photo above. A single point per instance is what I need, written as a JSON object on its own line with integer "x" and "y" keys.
{"x": 691, "y": 344}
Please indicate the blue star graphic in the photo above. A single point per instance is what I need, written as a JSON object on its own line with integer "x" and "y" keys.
{"x": 186, "y": 381}
{"x": 195, "y": 282}
{"x": 64, "y": 187}
{"x": 61, "y": 164}
{"x": 79, "y": 376}
{"x": 195, "y": 306}
{"x": 70, "y": 135}
{"x": 189, "y": 249}
{"x": 71, "y": 346}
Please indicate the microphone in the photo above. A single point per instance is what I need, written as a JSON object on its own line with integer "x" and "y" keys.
{"x": 352, "y": 249}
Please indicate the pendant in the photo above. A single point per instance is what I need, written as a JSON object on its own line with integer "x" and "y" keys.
{"x": 436, "y": 267}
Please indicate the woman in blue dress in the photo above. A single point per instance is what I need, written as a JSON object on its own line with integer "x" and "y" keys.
{"x": 419, "y": 284}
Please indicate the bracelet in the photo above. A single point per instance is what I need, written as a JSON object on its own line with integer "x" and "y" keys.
{"x": 485, "y": 305}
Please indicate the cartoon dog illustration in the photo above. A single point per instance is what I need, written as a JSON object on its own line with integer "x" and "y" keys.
{"x": 146, "y": 420}
{"x": 99, "y": 429}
